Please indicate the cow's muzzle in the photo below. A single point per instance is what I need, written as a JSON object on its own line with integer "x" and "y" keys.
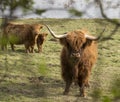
{"x": 76, "y": 54}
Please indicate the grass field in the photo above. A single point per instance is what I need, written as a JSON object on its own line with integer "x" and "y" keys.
{"x": 36, "y": 77}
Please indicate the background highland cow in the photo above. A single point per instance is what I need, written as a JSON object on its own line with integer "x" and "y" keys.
{"x": 21, "y": 34}
{"x": 40, "y": 40}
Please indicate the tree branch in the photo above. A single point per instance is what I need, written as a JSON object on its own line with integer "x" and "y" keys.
{"x": 105, "y": 16}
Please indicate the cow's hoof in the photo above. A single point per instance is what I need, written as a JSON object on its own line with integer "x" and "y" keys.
{"x": 83, "y": 95}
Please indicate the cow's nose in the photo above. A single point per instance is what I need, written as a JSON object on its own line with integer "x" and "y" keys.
{"x": 77, "y": 55}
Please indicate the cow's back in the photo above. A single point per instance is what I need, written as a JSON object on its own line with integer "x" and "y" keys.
{"x": 21, "y": 32}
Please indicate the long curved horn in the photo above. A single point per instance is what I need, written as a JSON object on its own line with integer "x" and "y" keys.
{"x": 91, "y": 37}
{"x": 95, "y": 38}
{"x": 54, "y": 35}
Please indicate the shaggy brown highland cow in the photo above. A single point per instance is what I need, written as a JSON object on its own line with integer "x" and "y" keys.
{"x": 78, "y": 56}
{"x": 21, "y": 34}
{"x": 40, "y": 40}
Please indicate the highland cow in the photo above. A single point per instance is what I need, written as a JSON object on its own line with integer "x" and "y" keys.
{"x": 22, "y": 34}
{"x": 78, "y": 56}
{"x": 40, "y": 39}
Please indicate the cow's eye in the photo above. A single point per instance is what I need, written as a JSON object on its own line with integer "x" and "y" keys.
{"x": 68, "y": 46}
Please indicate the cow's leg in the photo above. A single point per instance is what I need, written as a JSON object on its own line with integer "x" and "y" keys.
{"x": 81, "y": 85}
{"x": 4, "y": 46}
{"x": 83, "y": 82}
{"x": 86, "y": 79}
{"x": 39, "y": 48}
{"x": 82, "y": 91}
{"x": 12, "y": 47}
{"x": 87, "y": 84}
{"x": 27, "y": 48}
{"x": 32, "y": 49}
{"x": 68, "y": 81}
{"x": 67, "y": 87}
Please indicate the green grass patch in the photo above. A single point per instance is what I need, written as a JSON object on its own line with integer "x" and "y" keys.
{"x": 37, "y": 77}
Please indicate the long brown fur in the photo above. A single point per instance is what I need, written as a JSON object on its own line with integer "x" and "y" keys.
{"x": 22, "y": 34}
{"x": 40, "y": 40}
{"x": 77, "y": 59}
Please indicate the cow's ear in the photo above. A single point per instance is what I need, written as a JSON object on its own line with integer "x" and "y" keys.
{"x": 62, "y": 41}
{"x": 87, "y": 43}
